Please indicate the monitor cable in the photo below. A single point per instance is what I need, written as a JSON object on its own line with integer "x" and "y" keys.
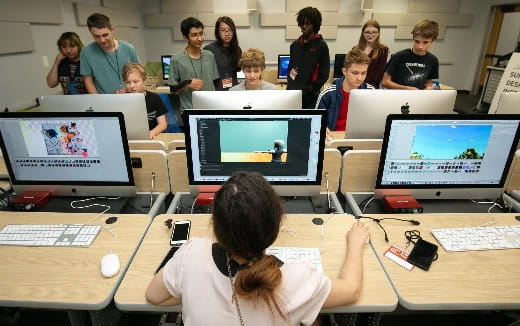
{"x": 379, "y": 220}
{"x": 107, "y": 208}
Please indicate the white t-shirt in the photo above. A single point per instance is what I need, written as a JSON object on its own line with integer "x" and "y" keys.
{"x": 207, "y": 295}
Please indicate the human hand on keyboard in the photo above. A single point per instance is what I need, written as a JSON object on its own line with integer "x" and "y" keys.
{"x": 358, "y": 235}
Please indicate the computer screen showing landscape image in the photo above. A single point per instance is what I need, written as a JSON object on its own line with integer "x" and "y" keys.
{"x": 165, "y": 65}
{"x": 449, "y": 142}
{"x": 267, "y": 146}
{"x": 439, "y": 156}
{"x": 286, "y": 146}
{"x": 283, "y": 65}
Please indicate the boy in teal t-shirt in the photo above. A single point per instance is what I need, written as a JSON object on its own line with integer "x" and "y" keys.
{"x": 102, "y": 61}
{"x": 194, "y": 64}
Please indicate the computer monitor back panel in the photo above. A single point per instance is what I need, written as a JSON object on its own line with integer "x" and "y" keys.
{"x": 132, "y": 105}
{"x": 67, "y": 154}
{"x": 509, "y": 103}
{"x": 285, "y": 146}
{"x": 255, "y": 100}
{"x": 283, "y": 66}
{"x": 447, "y": 156}
{"x": 368, "y": 108}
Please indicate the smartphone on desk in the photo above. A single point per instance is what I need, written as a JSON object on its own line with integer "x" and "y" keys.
{"x": 180, "y": 233}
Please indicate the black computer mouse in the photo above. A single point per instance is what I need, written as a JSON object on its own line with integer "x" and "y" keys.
{"x": 111, "y": 220}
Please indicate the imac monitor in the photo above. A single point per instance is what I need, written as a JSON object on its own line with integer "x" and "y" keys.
{"x": 165, "y": 63}
{"x": 132, "y": 105}
{"x": 257, "y": 100}
{"x": 339, "y": 60}
{"x": 509, "y": 103}
{"x": 285, "y": 146}
{"x": 283, "y": 66}
{"x": 368, "y": 108}
{"x": 67, "y": 154}
{"x": 447, "y": 156}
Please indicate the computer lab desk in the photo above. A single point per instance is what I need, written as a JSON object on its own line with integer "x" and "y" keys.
{"x": 471, "y": 280}
{"x": 66, "y": 278}
{"x": 377, "y": 295}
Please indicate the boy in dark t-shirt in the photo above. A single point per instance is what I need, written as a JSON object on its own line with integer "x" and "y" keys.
{"x": 416, "y": 67}
{"x": 66, "y": 66}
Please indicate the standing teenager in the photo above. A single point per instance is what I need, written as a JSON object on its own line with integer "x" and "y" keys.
{"x": 227, "y": 52}
{"x": 310, "y": 61}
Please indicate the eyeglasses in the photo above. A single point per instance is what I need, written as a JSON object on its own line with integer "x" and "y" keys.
{"x": 370, "y": 33}
{"x": 226, "y": 31}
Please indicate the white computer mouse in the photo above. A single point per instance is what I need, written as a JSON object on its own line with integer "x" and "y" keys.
{"x": 110, "y": 265}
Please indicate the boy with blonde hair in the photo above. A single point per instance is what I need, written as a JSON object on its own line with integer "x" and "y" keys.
{"x": 252, "y": 64}
{"x": 416, "y": 67}
{"x": 134, "y": 76}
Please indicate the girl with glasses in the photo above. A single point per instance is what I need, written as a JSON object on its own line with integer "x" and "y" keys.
{"x": 227, "y": 52}
{"x": 377, "y": 52}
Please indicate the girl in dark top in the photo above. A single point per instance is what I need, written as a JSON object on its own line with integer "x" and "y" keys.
{"x": 226, "y": 51}
{"x": 65, "y": 69}
{"x": 377, "y": 52}
{"x": 134, "y": 76}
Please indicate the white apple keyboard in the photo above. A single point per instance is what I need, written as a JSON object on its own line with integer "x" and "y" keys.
{"x": 478, "y": 238}
{"x": 297, "y": 254}
{"x": 49, "y": 235}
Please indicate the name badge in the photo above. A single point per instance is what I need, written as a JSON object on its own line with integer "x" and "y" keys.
{"x": 227, "y": 82}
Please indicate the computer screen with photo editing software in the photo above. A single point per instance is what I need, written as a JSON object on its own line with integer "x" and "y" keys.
{"x": 447, "y": 156}
{"x": 67, "y": 154}
{"x": 165, "y": 65}
{"x": 283, "y": 66}
{"x": 285, "y": 146}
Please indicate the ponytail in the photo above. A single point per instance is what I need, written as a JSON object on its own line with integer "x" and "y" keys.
{"x": 260, "y": 281}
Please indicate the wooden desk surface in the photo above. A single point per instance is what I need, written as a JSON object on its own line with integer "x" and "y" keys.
{"x": 168, "y": 137}
{"x": 65, "y": 277}
{"x": 468, "y": 280}
{"x": 377, "y": 294}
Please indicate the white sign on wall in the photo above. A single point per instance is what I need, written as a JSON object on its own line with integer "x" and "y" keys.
{"x": 510, "y": 81}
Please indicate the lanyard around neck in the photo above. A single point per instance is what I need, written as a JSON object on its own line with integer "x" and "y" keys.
{"x": 193, "y": 65}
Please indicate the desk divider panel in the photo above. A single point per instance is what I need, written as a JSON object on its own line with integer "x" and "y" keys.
{"x": 178, "y": 168}
{"x": 359, "y": 170}
{"x": 176, "y": 145}
{"x": 152, "y": 161}
{"x": 3, "y": 168}
{"x": 356, "y": 144}
{"x": 331, "y": 165}
{"x": 146, "y": 145}
{"x": 513, "y": 178}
